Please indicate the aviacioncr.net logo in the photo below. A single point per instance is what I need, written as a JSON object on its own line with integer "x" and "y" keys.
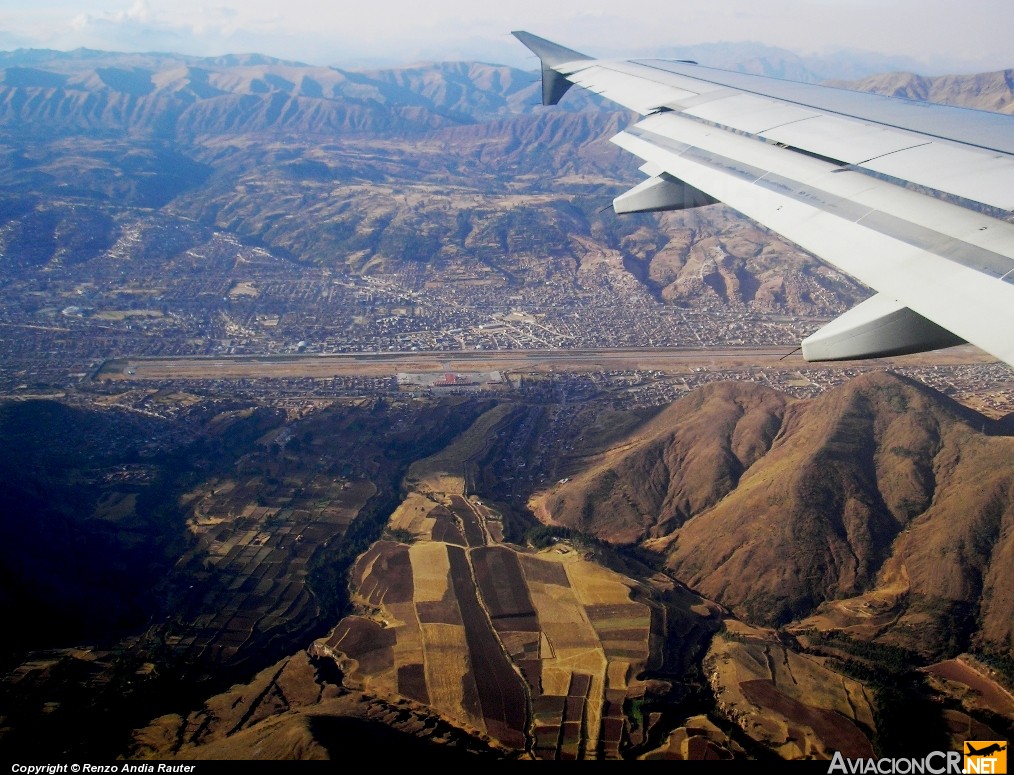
{"x": 980, "y": 757}
{"x": 985, "y": 756}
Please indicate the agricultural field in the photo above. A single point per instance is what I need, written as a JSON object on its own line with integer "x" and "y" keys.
{"x": 787, "y": 701}
{"x": 978, "y": 694}
{"x": 539, "y": 651}
{"x": 252, "y": 557}
{"x": 254, "y": 575}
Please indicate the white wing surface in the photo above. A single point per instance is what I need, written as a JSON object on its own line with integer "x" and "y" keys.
{"x": 910, "y": 198}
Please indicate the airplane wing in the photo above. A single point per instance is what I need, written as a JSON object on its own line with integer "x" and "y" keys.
{"x": 910, "y": 198}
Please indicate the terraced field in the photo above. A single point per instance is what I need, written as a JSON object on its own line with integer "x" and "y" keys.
{"x": 251, "y": 562}
{"x": 537, "y": 650}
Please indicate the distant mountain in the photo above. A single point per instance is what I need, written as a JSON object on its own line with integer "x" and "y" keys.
{"x": 753, "y": 57}
{"x": 773, "y": 508}
{"x": 364, "y": 171}
{"x": 183, "y": 97}
{"x": 984, "y": 91}
{"x": 478, "y": 90}
{"x": 165, "y": 95}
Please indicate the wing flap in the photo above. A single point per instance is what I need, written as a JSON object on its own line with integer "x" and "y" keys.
{"x": 749, "y": 114}
{"x": 977, "y": 174}
{"x": 973, "y": 174}
{"x": 874, "y": 329}
{"x": 660, "y": 193}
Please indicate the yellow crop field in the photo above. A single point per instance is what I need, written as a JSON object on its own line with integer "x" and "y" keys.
{"x": 619, "y": 673}
{"x": 595, "y": 585}
{"x": 555, "y": 679}
{"x": 565, "y": 624}
{"x": 411, "y": 515}
{"x": 430, "y": 571}
{"x": 574, "y": 644}
{"x": 401, "y": 615}
{"x": 569, "y": 624}
{"x": 446, "y": 663}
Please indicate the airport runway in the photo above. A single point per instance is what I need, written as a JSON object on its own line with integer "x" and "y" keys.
{"x": 306, "y": 365}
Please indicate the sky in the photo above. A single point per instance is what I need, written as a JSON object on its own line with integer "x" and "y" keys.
{"x": 951, "y": 36}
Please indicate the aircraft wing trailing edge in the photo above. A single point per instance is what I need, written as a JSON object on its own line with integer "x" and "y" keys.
{"x": 909, "y": 198}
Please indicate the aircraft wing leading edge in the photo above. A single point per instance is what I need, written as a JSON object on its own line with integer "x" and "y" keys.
{"x": 909, "y": 198}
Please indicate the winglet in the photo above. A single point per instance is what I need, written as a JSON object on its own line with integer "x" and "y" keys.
{"x": 554, "y": 84}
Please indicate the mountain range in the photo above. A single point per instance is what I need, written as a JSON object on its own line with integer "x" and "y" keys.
{"x": 365, "y": 171}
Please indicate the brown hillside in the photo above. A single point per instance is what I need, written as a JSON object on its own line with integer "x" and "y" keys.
{"x": 984, "y": 91}
{"x": 714, "y": 254}
{"x": 949, "y": 575}
{"x": 816, "y": 518}
{"x": 679, "y": 464}
{"x": 290, "y": 711}
{"x": 878, "y": 483}
{"x": 772, "y": 508}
